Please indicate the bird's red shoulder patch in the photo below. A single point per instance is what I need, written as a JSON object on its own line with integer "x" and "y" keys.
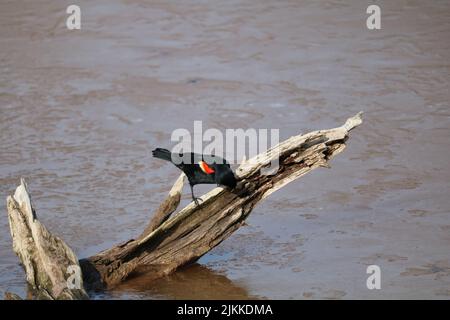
{"x": 205, "y": 168}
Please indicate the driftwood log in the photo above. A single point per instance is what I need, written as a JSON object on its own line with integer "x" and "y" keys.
{"x": 50, "y": 265}
{"x": 170, "y": 240}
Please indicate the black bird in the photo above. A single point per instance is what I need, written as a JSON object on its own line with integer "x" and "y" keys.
{"x": 200, "y": 169}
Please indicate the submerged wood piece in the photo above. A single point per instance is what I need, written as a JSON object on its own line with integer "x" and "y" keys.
{"x": 52, "y": 269}
{"x": 182, "y": 238}
{"x": 12, "y": 296}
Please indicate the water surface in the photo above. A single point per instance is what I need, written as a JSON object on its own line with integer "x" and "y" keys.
{"x": 80, "y": 112}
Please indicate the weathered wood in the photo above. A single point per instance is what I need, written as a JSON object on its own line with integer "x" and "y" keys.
{"x": 170, "y": 240}
{"x": 194, "y": 230}
{"x": 51, "y": 267}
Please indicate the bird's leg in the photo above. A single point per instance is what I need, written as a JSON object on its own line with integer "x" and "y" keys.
{"x": 193, "y": 196}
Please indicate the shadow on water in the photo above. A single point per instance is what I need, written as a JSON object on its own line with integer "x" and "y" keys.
{"x": 193, "y": 282}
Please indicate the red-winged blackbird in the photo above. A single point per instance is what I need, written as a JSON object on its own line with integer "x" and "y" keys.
{"x": 200, "y": 169}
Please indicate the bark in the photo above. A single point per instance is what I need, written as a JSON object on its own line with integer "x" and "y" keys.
{"x": 174, "y": 240}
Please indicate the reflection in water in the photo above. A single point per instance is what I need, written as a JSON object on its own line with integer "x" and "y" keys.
{"x": 193, "y": 282}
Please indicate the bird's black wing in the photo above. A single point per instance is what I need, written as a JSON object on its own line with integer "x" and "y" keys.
{"x": 195, "y": 175}
{"x": 189, "y": 164}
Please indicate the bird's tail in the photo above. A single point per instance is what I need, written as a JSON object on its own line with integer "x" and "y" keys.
{"x": 162, "y": 154}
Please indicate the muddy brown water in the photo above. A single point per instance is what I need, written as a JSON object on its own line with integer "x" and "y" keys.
{"x": 80, "y": 112}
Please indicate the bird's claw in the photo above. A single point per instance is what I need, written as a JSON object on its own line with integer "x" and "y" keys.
{"x": 196, "y": 201}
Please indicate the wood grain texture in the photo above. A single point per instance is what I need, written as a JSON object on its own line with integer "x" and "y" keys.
{"x": 51, "y": 267}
